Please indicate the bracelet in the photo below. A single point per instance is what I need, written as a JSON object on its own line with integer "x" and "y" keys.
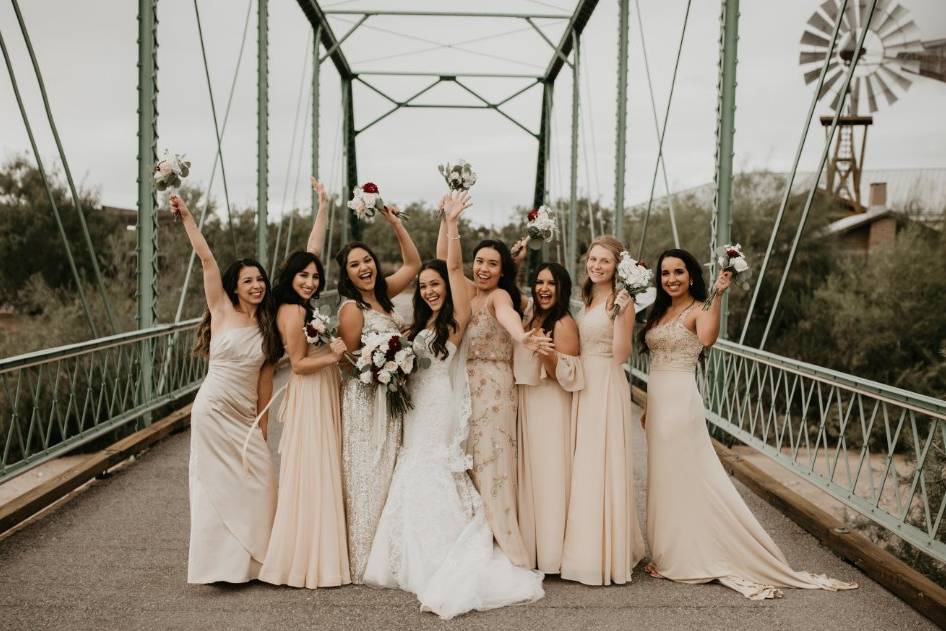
{"x": 455, "y": 238}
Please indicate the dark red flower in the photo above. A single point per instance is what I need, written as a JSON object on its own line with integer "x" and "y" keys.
{"x": 394, "y": 344}
{"x": 370, "y": 187}
{"x": 533, "y": 214}
{"x": 733, "y": 253}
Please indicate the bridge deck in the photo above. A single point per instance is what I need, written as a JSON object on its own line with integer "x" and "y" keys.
{"x": 116, "y": 557}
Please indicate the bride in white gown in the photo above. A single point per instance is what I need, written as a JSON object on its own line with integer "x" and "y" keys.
{"x": 433, "y": 539}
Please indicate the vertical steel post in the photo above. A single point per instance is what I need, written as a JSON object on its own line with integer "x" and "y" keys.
{"x": 534, "y": 257}
{"x": 726, "y": 110}
{"x": 315, "y": 116}
{"x": 147, "y": 229}
{"x": 572, "y": 242}
{"x": 620, "y": 153}
{"x": 262, "y": 130}
{"x": 352, "y": 226}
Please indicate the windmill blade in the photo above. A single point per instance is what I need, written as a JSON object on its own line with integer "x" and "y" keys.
{"x": 810, "y": 58}
{"x": 855, "y": 95}
{"x": 888, "y": 93}
{"x": 830, "y": 7}
{"x": 813, "y": 39}
{"x": 905, "y": 32}
{"x": 850, "y": 15}
{"x": 871, "y": 96}
{"x": 811, "y": 75}
{"x": 899, "y": 79}
{"x": 906, "y": 65}
{"x": 894, "y": 18}
{"x": 838, "y": 101}
{"x": 817, "y": 21}
{"x": 913, "y": 46}
{"x": 829, "y": 82}
{"x": 880, "y": 10}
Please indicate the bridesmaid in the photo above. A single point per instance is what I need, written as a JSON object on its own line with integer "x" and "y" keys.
{"x": 603, "y": 540}
{"x": 546, "y": 384}
{"x": 496, "y": 324}
{"x": 231, "y": 506}
{"x": 370, "y": 439}
{"x": 699, "y": 529}
{"x": 308, "y": 547}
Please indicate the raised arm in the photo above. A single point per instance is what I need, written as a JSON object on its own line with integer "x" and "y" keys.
{"x": 404, "y": 276}
{"x": 291, "y": 320}
{"x": 442, "y": 232}
{"x": 213, "y": 284}
{"x": 454, "y": 205}
{"x": 707, "y": 322}
{"x": 621, "y": 342}
{"x": 317, "y": 236}
{"x": 509, "y": 319}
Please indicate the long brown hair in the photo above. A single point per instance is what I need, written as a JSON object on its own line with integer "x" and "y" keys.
{"x": 615, "y": 247}
{"x": 265, "y": 312}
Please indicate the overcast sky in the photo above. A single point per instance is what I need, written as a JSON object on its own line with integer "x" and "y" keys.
{"x": 88, "y": 54}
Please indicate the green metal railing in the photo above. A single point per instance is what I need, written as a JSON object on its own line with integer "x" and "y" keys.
{"x": 55, "y": 400}
{"x": 876, "y": 449}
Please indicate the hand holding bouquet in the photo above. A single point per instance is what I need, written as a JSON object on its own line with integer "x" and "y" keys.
{"x": 631, "y": 276}
{"x": 730, "y": 260}
{"x": 170, "y": 172}
{"x": 385, "y": 361}
{"x": 541, "y": 227}
{"x": 317, "y": 330}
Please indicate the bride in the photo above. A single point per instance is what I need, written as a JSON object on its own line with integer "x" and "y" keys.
{"x": 433, "y": 538}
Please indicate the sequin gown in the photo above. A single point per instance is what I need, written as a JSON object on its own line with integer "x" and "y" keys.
{"x": 368, "y": 455}
{"x": 433, "y": 539}
{"x": 603, "y": 540}
{"x": 492, "y": 441}
{"x": 699, "y": 528}
{"x": 231, "y": 509}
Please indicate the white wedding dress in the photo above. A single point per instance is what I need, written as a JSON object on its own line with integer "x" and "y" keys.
{"x": 433, "y": 539}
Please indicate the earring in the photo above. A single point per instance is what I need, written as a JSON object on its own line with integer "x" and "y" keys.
{"x": 691, "y": 283}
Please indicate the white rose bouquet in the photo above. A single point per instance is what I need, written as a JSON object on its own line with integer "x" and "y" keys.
{"x": 730, "y": 259}
{"x": 170, "y": 172}
{"x": 459, "y": 177}
{"x": 385, "y": 360}
{"x": 366, "y": 202}
{"x": 541, "y": 227}
{"x": 317, "y": 330}
{"x": 631, "y": 276}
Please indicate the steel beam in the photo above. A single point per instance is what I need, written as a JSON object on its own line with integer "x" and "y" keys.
{"x": 576, "y": 23}
{"x": 262, "y": 130}
{"x": 620, "y": 135}
{"x": 449, "y": 75}
{"x": 316, "y": 94}
{"x": 353, "y": 231}
{"x": 317, "y": 17}
{"x": 448, "y": 14}
{"x": 572, "y": 242}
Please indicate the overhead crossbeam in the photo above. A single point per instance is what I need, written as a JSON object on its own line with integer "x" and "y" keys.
{"x": 448, "y": 14}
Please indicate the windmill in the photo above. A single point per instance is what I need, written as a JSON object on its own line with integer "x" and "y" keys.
{"x": 892, "y": 51}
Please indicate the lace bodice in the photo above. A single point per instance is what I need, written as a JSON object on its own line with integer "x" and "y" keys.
{"x": 489, "y": 341}
{"x": 673, "y": 346}
{"x": 595, "y": 331}
{"x": 432, "y": 394}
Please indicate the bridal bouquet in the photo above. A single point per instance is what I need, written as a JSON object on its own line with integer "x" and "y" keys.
{"x": 385, "y": 360}
{"x": 170, "y": 172}
{"x": 632, "y": 276}
{"x": 730, "y": 259}
{"x": 541, "y": 227}
{"x": 459, "y": 177}
{"x": 366, "y": 202}
{"x": 317, "y": 330}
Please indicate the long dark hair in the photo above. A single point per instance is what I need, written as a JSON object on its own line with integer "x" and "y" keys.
{"x": 563, "y": 292}
{"x": 265, "y": 311}
{"x": 347, "y": 289}
{"x": 283, "y": 293}
{"x": 662, "y": 303}
{"x": 445, "y": 323}
{"x": 507, "y": 276}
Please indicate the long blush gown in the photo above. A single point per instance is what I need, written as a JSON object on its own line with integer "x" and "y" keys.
{"x": 370, "y": 441}
{"x": 699, "y": 529}
{"x": 603, "y": 540}
{"x": 231, "y": 509}
{"x": 308, "y": 547}
{"x": 545, "y": 453}
{"x": 433, "y": 539}
{"x": 492, "y": 441}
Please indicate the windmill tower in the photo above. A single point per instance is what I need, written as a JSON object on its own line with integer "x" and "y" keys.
{"x": 892, "y": 50}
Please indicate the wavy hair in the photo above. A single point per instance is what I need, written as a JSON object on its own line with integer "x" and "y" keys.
{"x": 347, "y": 289}
{"x": 563, "y": 292}
{"x": 697, "y": 291}
{"x": 283, "y": 293}
{"x": 615, "y": 247}
{"x": 265, "y": 312}
{"x": 445, "y": 322}
{"x": 507, "y": 276}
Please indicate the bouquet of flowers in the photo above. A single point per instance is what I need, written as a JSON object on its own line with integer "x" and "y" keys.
{"x": 366, "y": 202}
{"x": 541, "y": 227}
{"x": 385, "y": 360}
{"x": 632, "y": 276}
{"x": 459, "y": 177}
{"x": 170, "y": 172}
{"x": 317, "y": 330}
{"x": 730, "y": 259}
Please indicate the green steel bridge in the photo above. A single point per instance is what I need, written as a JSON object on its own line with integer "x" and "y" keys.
{"x": 886, "y": 462}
